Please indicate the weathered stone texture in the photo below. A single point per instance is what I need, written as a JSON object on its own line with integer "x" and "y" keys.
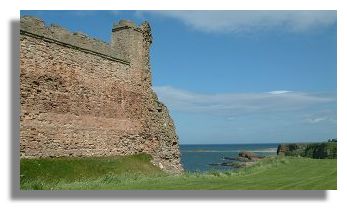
{"x": 78, "y": 99}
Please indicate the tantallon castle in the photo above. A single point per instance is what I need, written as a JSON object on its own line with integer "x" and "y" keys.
{"x": 84, "y": 97}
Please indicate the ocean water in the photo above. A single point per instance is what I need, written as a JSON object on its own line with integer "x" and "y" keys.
{"x": 196, "y": 158}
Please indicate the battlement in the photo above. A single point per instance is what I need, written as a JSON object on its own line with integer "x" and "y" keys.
{"x": 34, "y": 27}
{"x": 126, "y": 24}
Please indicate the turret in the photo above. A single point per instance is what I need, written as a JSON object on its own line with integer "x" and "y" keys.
{"x": 134, "y": 43}
{"x": 129, "y": 39}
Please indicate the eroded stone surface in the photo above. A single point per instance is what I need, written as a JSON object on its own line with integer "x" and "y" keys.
{"x": 83, "y": 97}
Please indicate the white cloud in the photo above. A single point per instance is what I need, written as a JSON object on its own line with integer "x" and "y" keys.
{"x": 279, "y": 92}
{"x": 248, "y": 21}
{"x": 315, "y": 120}
{"x": 236, "y": 104}
{"x": 319, "y": 116}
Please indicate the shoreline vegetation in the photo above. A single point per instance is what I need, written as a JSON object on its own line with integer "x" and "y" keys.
{"x": 137, "y": 172}
{"x": 323, "y": 150}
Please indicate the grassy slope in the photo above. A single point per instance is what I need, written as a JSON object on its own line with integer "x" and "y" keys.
{"x": 136, "y": 172}
{"x": 50, "y": 172}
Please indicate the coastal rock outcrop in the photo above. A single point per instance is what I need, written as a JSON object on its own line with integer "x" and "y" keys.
{"x": 244, "y": 159}
{"x": 248, "y": 155}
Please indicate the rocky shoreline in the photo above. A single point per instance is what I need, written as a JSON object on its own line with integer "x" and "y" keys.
{"x": 244, "y": 159}
{"x": 323, "y": 150}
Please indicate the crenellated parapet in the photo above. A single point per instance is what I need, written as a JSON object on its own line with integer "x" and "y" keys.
{"x": 34, "y": 27}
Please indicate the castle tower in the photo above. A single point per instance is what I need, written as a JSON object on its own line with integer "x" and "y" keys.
{"x": 134, "y": 43}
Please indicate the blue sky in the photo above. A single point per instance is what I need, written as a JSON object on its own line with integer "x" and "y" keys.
{"x": 235, "y": 76}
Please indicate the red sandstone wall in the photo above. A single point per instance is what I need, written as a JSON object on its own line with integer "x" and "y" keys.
{"x": 80, "y": 103}
{"x": 75, "y": 97}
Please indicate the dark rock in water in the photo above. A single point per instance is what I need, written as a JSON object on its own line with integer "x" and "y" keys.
{"x": 244, "y": 159}
{"x": 248, "y": 155}
{"x": 229, "y": 158}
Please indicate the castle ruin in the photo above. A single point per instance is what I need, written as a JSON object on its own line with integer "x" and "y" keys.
{"x": 84, "y": 97}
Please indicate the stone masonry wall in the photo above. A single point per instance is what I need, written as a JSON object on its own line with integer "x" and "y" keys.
{"x": 83, "y": 97}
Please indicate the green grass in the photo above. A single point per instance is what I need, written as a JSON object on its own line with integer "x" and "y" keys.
{"x": 136, "y": 172}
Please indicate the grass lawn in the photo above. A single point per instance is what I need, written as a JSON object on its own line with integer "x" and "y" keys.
{"x": 136, "y": 172}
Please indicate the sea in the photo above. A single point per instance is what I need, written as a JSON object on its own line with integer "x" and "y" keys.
{"x": 209, "y": 157}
